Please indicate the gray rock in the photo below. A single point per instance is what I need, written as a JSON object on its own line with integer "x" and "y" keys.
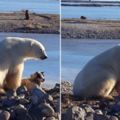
{"x": 66, "y": 87}
{"x": 21, "y": 90}
{"x": 34, "y": 99}
{"x": 115, "y": 108}
{"x": 98, "y": 112}
{"x": 75, "y": 113}
{"x": 89, "y": 116}
{"x": 38, "y": 112}
{"x": 88, "y": 108}
{"x": 100, "y": 117}
{"x": 24, "y": 101}
{"x": 4, "y": 115}
{"x": 10, "y": 93}
{"x": 113, "y": 118}
{"x": 50, "y": 118}
{"x": 20, "y": 113}
{"x": 57, "y": 105}
{"x": 49, "y": 98}
{"x": 46, "y": 109}
{"x": 38, "y": 95}
{"x": 9, "y": 102}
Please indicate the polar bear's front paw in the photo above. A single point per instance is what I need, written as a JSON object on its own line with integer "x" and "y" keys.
{"x": 109, "y": 97}
{"x": 2, "y": 91}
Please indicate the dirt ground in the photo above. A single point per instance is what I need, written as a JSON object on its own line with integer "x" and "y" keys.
{"x": 38, "y": 23}
{"x": 90, "y": 29}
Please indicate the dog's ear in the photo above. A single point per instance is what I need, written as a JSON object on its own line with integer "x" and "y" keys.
{"x": 42, "y": 73}
{"x": 36, "y": 73}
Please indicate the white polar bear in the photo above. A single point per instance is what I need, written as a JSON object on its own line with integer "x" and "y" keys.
{"x": 13, "y": 52}
{"x": 100, "y": 76}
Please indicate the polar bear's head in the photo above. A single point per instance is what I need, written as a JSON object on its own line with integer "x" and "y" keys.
{"x": 25, "y": 48}
{"x": 37, "y": 50}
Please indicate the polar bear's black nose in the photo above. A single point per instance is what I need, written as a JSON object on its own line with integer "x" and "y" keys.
{"x": 44, "y": 57}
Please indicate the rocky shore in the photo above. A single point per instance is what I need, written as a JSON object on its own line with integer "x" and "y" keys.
{"x": 75, "y": 109}
{"x": 37, "y": 23}
{"x": 82, "y": 28}
{"x": 36, "y": 104}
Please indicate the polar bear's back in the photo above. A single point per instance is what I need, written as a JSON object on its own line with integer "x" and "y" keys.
{"x": 15, "y": 40}
{"x": 96, "y": 71}
{"x": 20, "y": 40}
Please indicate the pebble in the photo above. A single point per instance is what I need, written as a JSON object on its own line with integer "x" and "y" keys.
{"x": 57, "y": 105}
{"x": 100, "y": 117}
{"x": 41, "y": 111}
{"x": 115, "y": 108}
{"x": 39, "y": 96}
{"x": 9, "y": 102}
{"x": 23, "y": 101}
{"x": 87, "y": 108}
{"x": 50, "y": 118}
{"x": 75, "y": 113}
{"x": 21, "y": 90}
{"x": 4, "y": 115}
{"x": 98, "y": 112}
{"x": 10, "y": 93}
{"x": 20, "y": 113}
{"x": 46, "y": 109}
{"x": 89, "y": 116}
{"x": 113, "y": 118}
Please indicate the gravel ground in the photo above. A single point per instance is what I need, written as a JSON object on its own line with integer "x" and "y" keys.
{"x": 90, "y": 29}
{"x": 75, "y": 109}
{"x": 35, "y": 104}
{"x": 38, "y": 23}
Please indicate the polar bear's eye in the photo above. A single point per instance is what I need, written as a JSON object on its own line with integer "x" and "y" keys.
{"x": 40, "y": 50}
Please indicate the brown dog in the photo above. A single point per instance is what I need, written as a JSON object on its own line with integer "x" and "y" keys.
{"x": 34, "y": 80}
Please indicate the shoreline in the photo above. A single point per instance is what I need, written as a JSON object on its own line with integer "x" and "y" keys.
{"x": 38, "y": 23}
{"x": 77, "y": 28}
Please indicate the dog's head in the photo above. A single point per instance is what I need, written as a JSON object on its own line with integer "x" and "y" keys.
{"x": 38, "y": 78}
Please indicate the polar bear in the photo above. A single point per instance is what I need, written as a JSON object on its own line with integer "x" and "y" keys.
{"x": 99, "y": 76}
{"x": 13, "y": 52}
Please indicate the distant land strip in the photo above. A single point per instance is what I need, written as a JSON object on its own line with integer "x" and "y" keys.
{"x": 90, "y": 29}
{"x": 37, "y": 23}
{"x": 89, "y": 3}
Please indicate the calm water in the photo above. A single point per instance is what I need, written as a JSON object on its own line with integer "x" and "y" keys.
{"x": 39, "y": 6}
{"x": 91, "y": 12}
{"x": 76, "y": 53}
{"x": 51, "y": 65}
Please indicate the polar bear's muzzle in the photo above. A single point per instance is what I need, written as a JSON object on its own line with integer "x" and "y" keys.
{"x": 44, "y": 56}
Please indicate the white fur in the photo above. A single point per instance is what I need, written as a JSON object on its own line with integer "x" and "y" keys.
{"x": 100, "y": 75}
{"x": 13, "y": 52}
